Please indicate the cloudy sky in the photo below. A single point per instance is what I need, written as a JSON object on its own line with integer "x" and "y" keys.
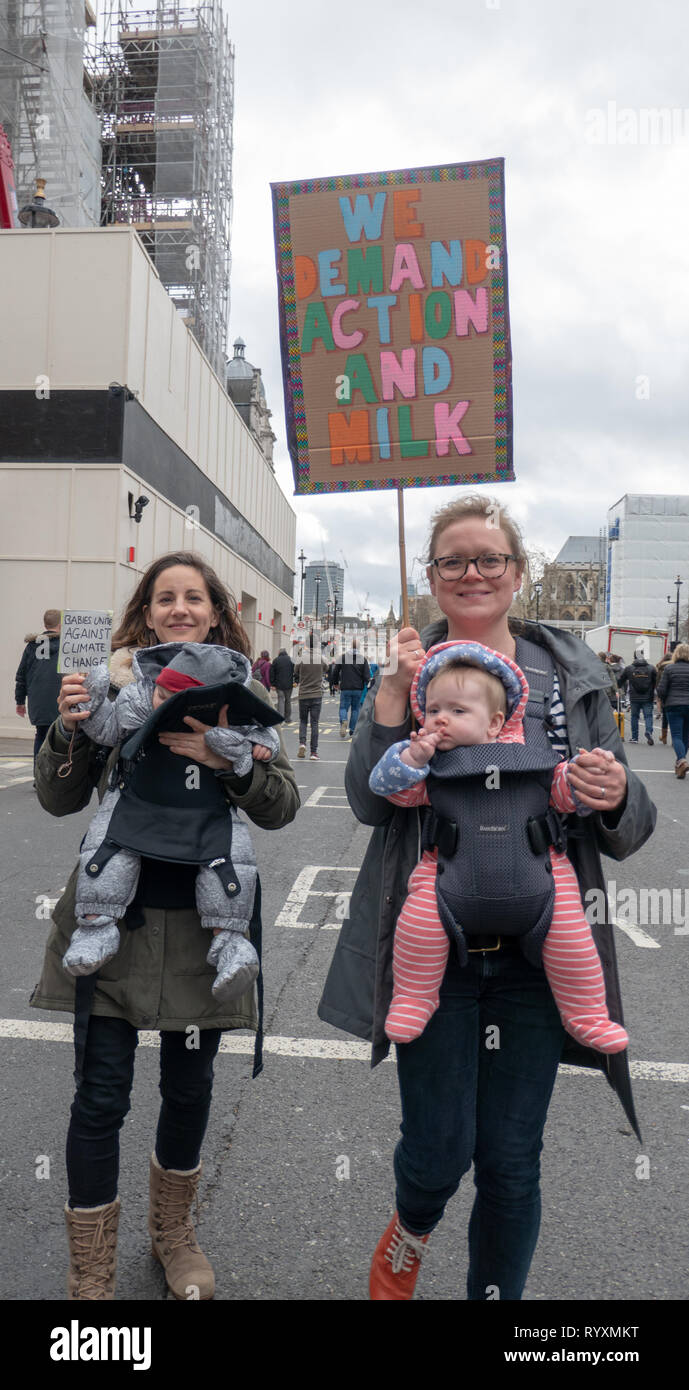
{"x": 597, "y": 198}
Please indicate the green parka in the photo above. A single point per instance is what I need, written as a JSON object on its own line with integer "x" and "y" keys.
{"x": 159, "y": 977}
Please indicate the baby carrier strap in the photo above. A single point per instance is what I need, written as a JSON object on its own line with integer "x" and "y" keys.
{"x": 539, "y": 668}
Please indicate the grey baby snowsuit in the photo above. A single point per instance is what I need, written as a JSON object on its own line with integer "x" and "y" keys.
{"x": 109, "y": 867}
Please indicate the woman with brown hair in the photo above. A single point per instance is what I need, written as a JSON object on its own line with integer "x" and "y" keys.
{"x": 159, "y": 978}
{"x": 464, "y": 1098}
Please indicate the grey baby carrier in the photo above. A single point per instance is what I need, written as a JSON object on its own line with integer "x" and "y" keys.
{"x": 171, "y": 809}
{"x": 491, "y": 823}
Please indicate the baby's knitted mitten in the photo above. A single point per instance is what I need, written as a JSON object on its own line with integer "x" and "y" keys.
{"x": 236, "y": 963}
{"x": 236, "y": 744}
{"x": 92, "y": 946}
{"x": 97, "y": 684}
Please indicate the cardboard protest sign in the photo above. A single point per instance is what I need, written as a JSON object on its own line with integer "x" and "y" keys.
{"x": 395, "y": 328}
{"x": 84, "y": 639}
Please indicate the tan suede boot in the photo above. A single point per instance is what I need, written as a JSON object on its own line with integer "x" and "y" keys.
{"x": 92, "y": 1235}
{"x": 173, "y": 1240}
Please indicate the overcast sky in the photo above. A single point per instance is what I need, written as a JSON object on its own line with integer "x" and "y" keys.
{"x": 598, "y": 251}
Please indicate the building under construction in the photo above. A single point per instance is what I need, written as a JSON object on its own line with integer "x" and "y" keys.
{"x": 130, "y": 121}
{"x": 45, "y": 107}
{"x": 163, "y": 85}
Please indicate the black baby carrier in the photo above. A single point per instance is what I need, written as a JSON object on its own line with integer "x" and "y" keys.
{"x": 491, "y": 823}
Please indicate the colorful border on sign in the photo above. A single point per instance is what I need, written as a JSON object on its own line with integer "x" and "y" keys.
{"x": 491, "y": 169}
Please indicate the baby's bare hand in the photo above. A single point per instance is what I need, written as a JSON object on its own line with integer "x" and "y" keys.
{"x": 421, "y": 748}
{"x": 261, "y": 753}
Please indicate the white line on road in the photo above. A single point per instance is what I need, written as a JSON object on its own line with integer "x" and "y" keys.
{"x": 302, "y": 888}
{"x": 636, "y": 933}
{"x": 316, "y": 1049}
{"x": 337, "y": 800}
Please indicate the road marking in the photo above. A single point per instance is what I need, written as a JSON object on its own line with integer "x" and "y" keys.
{"x": 338, "y": 801}
{"x": 636, "y": 933}
{"x": 14, "y": 782}
{"x": 302, "y": 889}
{"x": 316, "y": 1049}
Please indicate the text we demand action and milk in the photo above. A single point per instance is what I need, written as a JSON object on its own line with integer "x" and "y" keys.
{"x": 395, "y": 328}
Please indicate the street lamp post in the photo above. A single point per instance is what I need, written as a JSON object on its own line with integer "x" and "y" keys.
{"x": 538, "y": 590}
{"x": 318, "y": 585}
{"x": 302, "y": 560}
{"x": 678, "y": 585}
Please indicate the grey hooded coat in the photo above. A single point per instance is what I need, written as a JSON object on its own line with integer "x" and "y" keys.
{"x": 358, "y": 987}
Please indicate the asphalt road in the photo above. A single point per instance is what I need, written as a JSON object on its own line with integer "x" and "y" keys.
{"x": 298, "y": 1164}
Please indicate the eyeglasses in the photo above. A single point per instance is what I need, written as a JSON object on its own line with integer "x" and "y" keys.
{"x": 489, "y": 566}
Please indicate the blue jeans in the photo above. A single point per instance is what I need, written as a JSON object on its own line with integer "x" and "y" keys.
{"x": 102, "y": 1101}
{"x": 645, "y": 708}
{"x": 350, "y": 704}
{"x": 464, "y": 1099}
{"x": 678, "y": 719}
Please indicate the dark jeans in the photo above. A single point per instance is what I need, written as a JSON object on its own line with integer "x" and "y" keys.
{"x": 102, "y": 1101}
{"x": 464, "y": 1098}
{"x": 40, "y": 737}
{"x": 678, "y": 719}
{"x": 285, "y": 703}
{"x": 350, "y": 704}
{"x": 309, "y": 708}
{"x": 644, "y": 707}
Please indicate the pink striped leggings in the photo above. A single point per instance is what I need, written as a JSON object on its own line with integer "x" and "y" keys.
{"x": 570, "y": 961}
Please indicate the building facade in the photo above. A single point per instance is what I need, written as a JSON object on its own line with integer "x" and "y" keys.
{"x": 323, "y": 583}
{"x": 106, "y": 398}
{"x": 648, "y": 549}
{"x": 245, "y": 387}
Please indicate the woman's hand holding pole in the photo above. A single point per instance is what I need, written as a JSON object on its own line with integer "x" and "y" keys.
{"x": 405, "y": 653}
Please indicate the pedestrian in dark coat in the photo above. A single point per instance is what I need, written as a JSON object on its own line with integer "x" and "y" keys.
{"x": 673, "y": 691}
{"x": 282, "y": 679}
{"x": 159, "y": 978}
{"x": 640, "y": 679}
{"x": 460, "y": 1101}
{"x": 352, "y": 674}
{"x": 37, "y": 679}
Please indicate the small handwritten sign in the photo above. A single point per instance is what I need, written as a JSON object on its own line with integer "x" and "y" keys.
{"x": 84, "y": 639}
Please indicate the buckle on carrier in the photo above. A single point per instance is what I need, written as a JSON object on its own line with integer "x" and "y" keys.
{"x": 441, "y": 833}
{"x": 547, "y": 830}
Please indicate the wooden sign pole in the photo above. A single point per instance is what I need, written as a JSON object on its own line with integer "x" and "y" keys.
{"x": 403, "y": 558}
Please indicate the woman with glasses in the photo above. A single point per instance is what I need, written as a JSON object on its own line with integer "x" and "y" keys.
{"x": 476, "y": 1085}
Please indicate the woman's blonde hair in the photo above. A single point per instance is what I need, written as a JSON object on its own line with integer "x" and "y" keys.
{"x": 497, "y": 519}
{"x": 681, "y": 653}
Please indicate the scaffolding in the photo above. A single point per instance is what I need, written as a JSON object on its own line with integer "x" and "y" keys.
{"x": 163, "y": 84}
{"x": 44, "y": 107}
